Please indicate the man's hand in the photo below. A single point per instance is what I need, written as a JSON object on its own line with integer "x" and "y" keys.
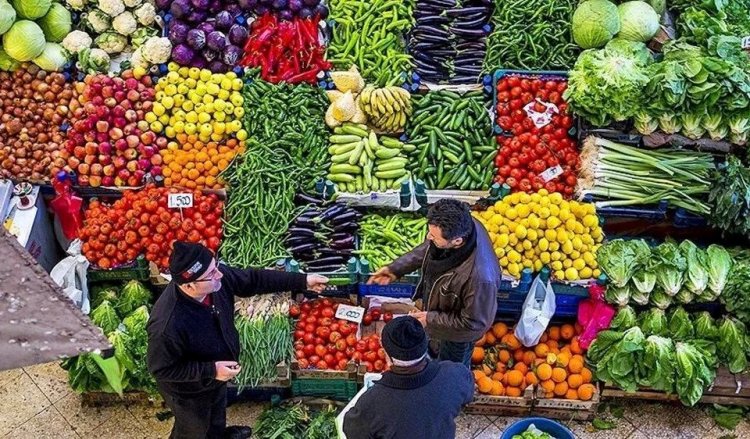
{"x": 226, "y": 370}
{"x": 316, "y": 283}
{"x": 384, "y": 276}
{"x": 421, "y": 316}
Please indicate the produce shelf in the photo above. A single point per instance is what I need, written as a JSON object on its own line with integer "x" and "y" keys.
{"x": 502, "y": 405}
{"x": 559, "y": 408}
{"x": 500, "y": 74}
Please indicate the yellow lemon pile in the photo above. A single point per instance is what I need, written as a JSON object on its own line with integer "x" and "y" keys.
{"x": 543, "y": 229}
{"x": 194, "y": 101}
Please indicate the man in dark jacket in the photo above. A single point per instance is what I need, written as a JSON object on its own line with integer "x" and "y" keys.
{"x": 417, "y": 398}
{"x": 459, "y": 283}
{"x": 193, "y": 346}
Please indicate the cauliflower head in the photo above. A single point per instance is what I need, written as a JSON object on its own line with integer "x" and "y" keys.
{"x": 98, "y": 21}
{"x": 157, "y": 50}
{"x": 111, "y": 42}
{"x": 76, "y": 41}
{"x": 113, "y": 8}
{"x": 76, "y": 5}
{"x": 125, "y": 24}
{"x": 146, "y": 14}
{"x": 132, "y": 3}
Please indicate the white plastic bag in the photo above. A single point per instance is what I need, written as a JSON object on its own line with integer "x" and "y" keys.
{"x": 70, "y": 275}
{"x": 538, "y": 309}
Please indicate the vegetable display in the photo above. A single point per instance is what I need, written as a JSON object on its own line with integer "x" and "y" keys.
{"x": 385, "y": 238}
{"x": 31, "y": 31}
{"x": 735, "y": 296}
{"x": 531, "y": 231}
{"x": 623, "y": 175}
{"x": 206, "y": 35}
{"x": 288, "y": 10}
{"x": 197, "y": 102}
{"x": 141, "y": 223}
{"x": 729, "y": 199}
{"x": 363, "y": 162}
{"x": 453, "y": 138}
{"x": 503, "y": 367}
{"x": 287, "y": 51}
{"x": 322, "y": 238}
{"x": 539, "y": 152}
{"x": 265, "y": 332}
{"x": 449, "y": 39}
{"x": 192, "y": 164}
{"x": 387, "y": 108}
{"x": 33, "y": 106}
{"x": 370, "y": 35}
{"x": 531, "y": 35}
{"x": 595, "y": 24}
{"x": 110, "y": 142}
{"x": 295, "y": 421}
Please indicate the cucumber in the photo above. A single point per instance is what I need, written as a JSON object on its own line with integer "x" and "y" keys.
{"x": 393, "y": 173}
{"x": 345, "y": 169}
{"x": 341, "y": 158}
{"x": 368, "y": 149}
{"x": 343, "y": 138}
{"x": 358, "y": 183}
{"x": 408, "y": 147}
{"x": 391, "y": 166}
{"x": 354, "y": 159}
{"x": 387, "y": 153}
{"x": 336, "y": 149}
{"x": 353, "y": 130}
{"x": 368, "y": 174}
{"x": 340, "y": 178}
{"x": 375, "y": 183}
{"x": 351, "y": 187}
{"x": 373, "y": 139}
{"x": 390, "y": 142}
{"x": 363, "y": 159}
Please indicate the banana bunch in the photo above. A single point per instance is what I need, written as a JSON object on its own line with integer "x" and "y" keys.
{"x": 363, "y": 162}
{"x": 386, "y": 108}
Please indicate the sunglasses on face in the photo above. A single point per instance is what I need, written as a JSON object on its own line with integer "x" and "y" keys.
{"x": 210, "y": 277}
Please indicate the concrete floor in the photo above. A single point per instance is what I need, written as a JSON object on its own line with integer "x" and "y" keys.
{"x": 36, "y": 403}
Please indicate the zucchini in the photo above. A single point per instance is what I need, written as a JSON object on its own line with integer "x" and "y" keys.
{"x": 354, "y": 159}
{"x": 390, "y": 166}
{"x": 345, "y": 168}
{"x": 340, "y": 178}
{"x": 387, "y": 153}
{"x": 392, "y": 173}
{"x": 344, "y": 138}
{"x": 353, "y": 130}
{"x": 337, "y": 149}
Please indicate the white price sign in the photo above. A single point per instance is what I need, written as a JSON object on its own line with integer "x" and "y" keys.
{"x": 350, "y": 313}
{"x": 551, "y": 173}
{"x": 746, "y": 43}
{"x": 180, "y": 201}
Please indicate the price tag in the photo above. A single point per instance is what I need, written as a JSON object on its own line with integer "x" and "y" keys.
{"x": 746, "y": 43}
{"x": 544, "y": 118}
{"x": 180, "y": 201}
{"x": 551, "y": 173}
{"x": 350, "y": 313}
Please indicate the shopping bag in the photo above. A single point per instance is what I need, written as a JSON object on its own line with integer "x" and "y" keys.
{"x": 537, "y": 311}
{"x": 70, "y": 275}
{"x": 594, "y": 315}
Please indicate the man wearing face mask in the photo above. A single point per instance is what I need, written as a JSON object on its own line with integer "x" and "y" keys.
{"x": 193, "y": 346}
{"x": 460, "y": 280}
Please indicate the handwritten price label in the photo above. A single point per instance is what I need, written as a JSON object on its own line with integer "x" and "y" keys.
{"x": 551, "y": 173}
{"x": 180, "y": 201}
{"x": 350, "y": 313}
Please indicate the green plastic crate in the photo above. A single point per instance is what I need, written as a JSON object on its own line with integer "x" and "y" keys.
{"x": 139, "y": 271}
{"x": 338, "y": 389}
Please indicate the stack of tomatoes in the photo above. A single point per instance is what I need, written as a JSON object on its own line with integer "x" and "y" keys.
{"x": 141, "y": 223}
{"x": 527, "y": 149}
{"x": 322, "y": 341}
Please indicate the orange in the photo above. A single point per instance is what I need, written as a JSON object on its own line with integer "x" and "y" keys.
{"x": 544, "y": 371}
{"x": 503, "y": 356}
{"x": 497, "y": 389}
{"x": 567, "y": 332}
{"x": 575, "y": 381}
{"x": 575, "y": 346}
{"x": 513, "y": 392}
{"x": 541, "y": 350}
{"x": 477, "y": 356}
{"x": 544, "y": 338}
{"x": 586, "y": 392}
{"x": 539, "y": 361}
{"x": 480, "y": 343}
{"x": 554, "y": 333}
{"x": 571, "y": 394}
{"x": 559, "y": 375}
{"x": 575, "y": 365}
{"x": 529, "y": 357}
{"x": 548, "y": 385}
{"x": 485, "y": 385}
{"x": 511, "y": 341}
{"x": 518, "y": 355}
{"x": 521, "y": 367}
{"x": 553, "y": 345}
{"x": 561, "y": 388}
{"x": 515, "y": 378}
{"x": 586, "y": 375}
{"x": 563, "y": 359}
{"x": 549, "y": 395}
{"x": 500, "y": 367}
{"x": 531, "y": 378}
{"x": 490, "y": 338}
{"x": 497, "y": 376}
{"x": 499, "y": 330}
{"x": 478, "y": 374}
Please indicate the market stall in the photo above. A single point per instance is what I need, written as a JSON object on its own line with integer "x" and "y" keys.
{"x": 600, "y": 144}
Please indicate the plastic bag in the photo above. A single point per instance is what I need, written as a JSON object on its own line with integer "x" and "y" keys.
{"x": 594, "y": 315}
{"x": 70, "y": 275}
{"x": 537, "y": 311}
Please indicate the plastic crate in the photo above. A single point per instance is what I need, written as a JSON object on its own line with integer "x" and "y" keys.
{"x": 499, "y": 74}
{"x": 341, "y": 390}
{"x": 567, "y": 298}
{"x": 139, "y": 271}
{"x": 685, "y": 219}
{"x": 342, "y": 283}
{"x": 402, "y": 288}
{"x": 655, "y": 212}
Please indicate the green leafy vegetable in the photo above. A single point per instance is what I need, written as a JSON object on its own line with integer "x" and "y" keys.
{"x": 133, "y": 295}
{"x": 619, "y": 364}
{"x": 638, "y": 21}
{"x": 730, "y": 197}
{"x": 695, "y": 372}
{"x": 705, "y": 326}
{"x": 31, "y": 9}
{"x": 619, "y": 296}
{"x": 720, "y": 264}
{"x": 24, "y": 40}
{"x": 680, "y": 326}
{"x": 660, "y": 299}
{"x": 696, "y": 279}
{"x": 603, "y": 342}
{"x": 53, "y": 58}
{"x": 656, "y": 366}
{"x": 619, "y": 259}
{"x": 595, "y": 23}
{"x": 736, "y": 295}
{"x": 56, "y": 24}
{"x": 105, "y": 317}
{"x": 7, "y": 16}
{"x": 653, "y": 322}
{"x": 731, "y": 344}
{"x": 624, "y": 319}
{"x": 670, "y": 268}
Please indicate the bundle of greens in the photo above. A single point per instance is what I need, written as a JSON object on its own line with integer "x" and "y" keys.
{"x": 680, "y": 325}
{"x": 624, "y": 319}
{"x": 607, "y": 84}
{"x": 705, "y": 326}
{"x": 731, "y": 345}
{"x": 736, "y": 295}
{"x": 695, "y": 371}
{"x": 657, "y": 366}
{"x": 295, "y": 421}
{"x": 620, "y": 258}
{"x": 654, "y": 322}
{"x": 730, "y": 198}
{"x": 696, "y": 276}
{"x": 620, "y": 363}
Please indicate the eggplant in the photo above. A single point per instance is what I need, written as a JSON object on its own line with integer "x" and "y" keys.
{"x": 301, "y": 231}
{"x": 302, "y": 198}
{"x": 345, "y": 217}
{"x": 351, "y": 227}
{"x": 430, "y": 20}
{"x": 304, "y": 247}
{"x": 325, "y": 268}
{"x": 471, "y": 24}
{"x": 463, "y": 11}
{"x": 304, "y": 222}
{"x": 331, "y": 212}
{"x": 430, "y": 31}
{"x": 342, "y": 244}
{"x": 345, "y": 253}
{"x": 292, "y": 240}
{"x": 468, "y": 70}
{"x": 328, "y": 260}
{"x": 478, "y": 33}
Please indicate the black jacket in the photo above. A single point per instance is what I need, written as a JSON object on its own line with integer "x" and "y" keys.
{"x": 423, "y": 405}
{"x": 186, "y": 338}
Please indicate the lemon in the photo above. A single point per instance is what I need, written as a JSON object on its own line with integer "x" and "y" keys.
{"x": 575, "y": 254}
{"x": 545, "y": 257}
{"x": 527, "y": 263}
{"x": 571, "y": 274}
{"x": 589, "y": 257}
{"x": 511, "y": 213}
{"x": 543, "y": 192}
{"x": 520, "y": 231}
{"x": 514, "y": 270}
{"x": 207, "y": 99}
{"x": 514, "y": 256}
{"x": 562, "y": 235}
{"x": 556, "y": 198}
{"x": 597, "y": 272}
{"x": 518, "y": 247}
{"x": 504, "y": 229}
{"x": 554, "y": 246}
{"x": 534, "y": 222}
{"x": 556, "y": 256}
{"x": 554, "y": 210}
{"x": 544, "y": 213}
{"x": 585, "y": 273}
{"x": 543, "y": 244}
{"x": 523, "y": 210}
{"x": 553, "y": 222}
{"x": 550, "y": 235}
{"x": 538, "y": 265}
{"x": 205, "y": 75}
{"x": 577, "y": 242}
{"x": 502, "y": 240}
{"x": 527, "y": 245}
{"x": 514, "y": 198}
{"x": 504, "y": 261}
{"x": 188, "y": 106}
{"x": 532, "y": 235}
{"x": 241, "y": 135}
{"x": 565, "y": 214}
{"x": 567, "y": 263}
{"x": 219, "y": 127}
{"x": 567, "y": 247}
{"x": 556, "y": 265}
{"x": 579, "y": 264}
{"x": 590, "y": 220}
{"x": 499, "y": 252}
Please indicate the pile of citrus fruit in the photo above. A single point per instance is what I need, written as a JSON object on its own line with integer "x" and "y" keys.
{"x": 193, "y": 164}
{"x": 503, "y": 367}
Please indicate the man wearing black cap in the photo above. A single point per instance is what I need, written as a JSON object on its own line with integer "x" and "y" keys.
{"x": 459, "y": 283}
{"x": 193, "y": 346}
{"x": 417, "y": 398}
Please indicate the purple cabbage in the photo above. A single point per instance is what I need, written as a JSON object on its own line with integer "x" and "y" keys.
{"x": 216, "y": 5}
{"x": 182, "y": 54}
{"x": 310, "y": 3}
{"x": 231, "y": 55}
{"x": 279, "y": 5}
{"x": 223, "y": 20}
{"x": 210, "y": 55}
{"x": 295, "y": 5}
{"x": 206, "y": 27}
{"x": 196, "y": 39}
{"x": 216, "y": 40}
{"x": 286, "y": 14}
{"x": 321, "y": 11}
{"x": 200, "y": 4}
{"x": 178, "y": 31}
{"x": 217, "y": 66}
{"x": 234, "y": 10}
{"x": 238, "y": 34}
{"x": 305, "y": 13}
{"x": 199, "y": 62}
{"x": 179, "y": 8}
{"x": 197, "y": 16}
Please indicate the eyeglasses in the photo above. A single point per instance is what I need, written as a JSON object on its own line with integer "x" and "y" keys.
{"x": 211, "y": 275}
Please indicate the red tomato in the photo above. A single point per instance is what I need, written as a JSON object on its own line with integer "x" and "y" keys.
{"x": 381, "y": 353}
{"x": 299, "y": 354}
{"x": 341, "y": 345}
{"x": 342, "y": 364}
{"x": 373, "y": 345}
{"x": 321, "y": 365}
{"x": 327, "y": 312}
{"x": 303, "y": 363}
{"x": 379, "y": 365}
{"x": 351, "y": 340}
{"x": 333, "y": 337}
{"x": 361, "y": 346}
{"x": 320, "y": 350}
{"x": 375, "y": 313}
{"x": 387, "y": 317}
{"x": 323, "y": 332}
{"x": 313, "y": 359}
{"x": 294, "y": 311}
{"x": 308, "y": 337}
{"x": 367, "y": 320}
{"x": 299, "y": 334}
{"x": 370, "y": 356}
{"x": 309, "y": 349}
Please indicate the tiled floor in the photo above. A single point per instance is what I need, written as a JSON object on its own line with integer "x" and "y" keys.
{"x": 36, "y": 403}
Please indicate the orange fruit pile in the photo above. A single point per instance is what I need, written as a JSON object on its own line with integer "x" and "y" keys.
{"x": 193, "y": 164}
{"x": 503, "y": 367}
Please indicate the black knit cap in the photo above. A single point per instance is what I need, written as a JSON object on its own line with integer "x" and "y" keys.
{"x": 404, "y": 339}
{"x": 188, "y": 261}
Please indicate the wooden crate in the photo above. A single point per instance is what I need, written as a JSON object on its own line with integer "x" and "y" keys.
{"x": 300, "y": 374}
{"x": 502, "y": 405}
{"x": 104, "y": 399}
{"x": 566, "y": 409}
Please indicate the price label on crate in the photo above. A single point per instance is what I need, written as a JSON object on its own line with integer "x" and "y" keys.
{"x": 350, "y": 313}
{"x": 180, "y": 201}
{"x": 551, "y": 173}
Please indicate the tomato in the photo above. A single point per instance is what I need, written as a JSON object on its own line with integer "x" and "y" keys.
{"x": 294, "y": 311}
{"x": 327, "y": 312}
{"x": 299, "y": 334}
{"x": 356, "y": 356}
{"x": 361, "y": 346}
{"x": 320, "y": 350}
{"x": 313, "y": 359}
{"x": 373, "y": 345}
{"x": 379, "y": 365}
{"x": 375, "y": 313}
{"x": 367, "y": 320}
{"x": 381, "y": 353}
{"x": 325, "y": 321}
{"x": 370, "y": 356}
{"x": 309, "y": 349}
{"x": 303, "y": 363}
{"x": 326, "y": 302}
{"x": 524, "y": 185}
{"x": 368, "y": 366}
{"x": 351, "y": 340}
{"x": 512, "y": 182}
{"x": 341, "y": 345}
{"x": 310, "y": 328}
{"x": 345, "y": 329}
{"x": 299, "y": 354}
{"x": 571, "y": 180}
{"x": 343, "y": 364}
{"x": 311, "y": 319}
{"x": 306, "y": 307}
{"x": 550, "y": 186}
{"x": 387, "y": 317}
{"x": 321, "y": 365}
{"x": 334, "y": 336}
{"x": 323, "y": 332}
{"x": 309, "y": 337}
